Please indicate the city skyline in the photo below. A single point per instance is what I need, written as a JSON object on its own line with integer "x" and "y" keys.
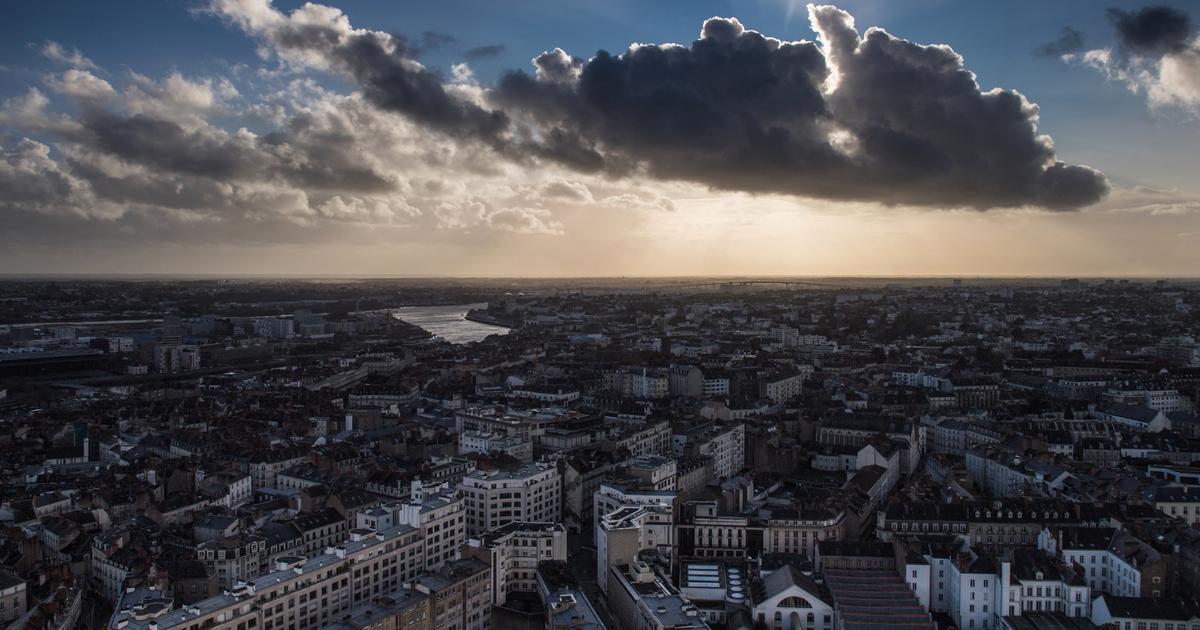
{"x": 771, "y": 139}
{"x": 620, "y": 315}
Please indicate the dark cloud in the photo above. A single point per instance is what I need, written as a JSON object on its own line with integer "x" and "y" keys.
{"x": 433, "y": 39}
{"x": 484, "y": 52}
{"x": 165, "y": 145}
{"x": 29, "y": 179}
{"x": 384, "y": 65}
{"x": 318, "y": 161}
{"x": 868, "y": 118}
{"x": 1069, "y": 41}
{"x": 149, "y": 163}
{"x": 393, "y": 82}
{"x": 1152, "y": 31}
{"x": 906, "y": 124}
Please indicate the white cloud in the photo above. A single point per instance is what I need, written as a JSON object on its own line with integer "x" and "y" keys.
{"x": 1169, "y": 80}
{"x": 81, "y": 84}
{"x": 462, "y": 73}
{"x": 524, "y": 221}
{"x": 69, "y": 56}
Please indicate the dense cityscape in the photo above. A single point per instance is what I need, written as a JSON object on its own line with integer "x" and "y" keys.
{"x": 624, "y": 454}
{"x": 616, "y": 315}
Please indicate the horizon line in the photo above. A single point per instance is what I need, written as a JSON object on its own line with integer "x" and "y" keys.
{"x": 288, "y": 276}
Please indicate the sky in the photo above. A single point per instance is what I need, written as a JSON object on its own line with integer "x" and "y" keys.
{"x": 572, "y": 138}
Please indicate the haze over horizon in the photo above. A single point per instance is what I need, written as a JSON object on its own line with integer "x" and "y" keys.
{"x": 552, "y": 139}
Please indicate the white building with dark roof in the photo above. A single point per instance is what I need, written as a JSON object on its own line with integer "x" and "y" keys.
{"x": 531, "y": 493}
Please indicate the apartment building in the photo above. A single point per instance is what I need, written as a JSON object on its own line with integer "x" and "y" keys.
{"x": 621, "y": 534}
{"x": 724, "y": 443}
{"x": 977, "y": 590}
{"x": 530, "y": 493}
{"x": 266, "y": 466}
{"x": 304, "y": 593}
{"x": 1113, "y": 560}
{"x": 440, "y": 516}
{"x": 519, "y": 448}
{"x": 781, "y": 387}
{"x": 461, "y": 591}
{"x": 12, "y": 598}
{"x": 1179, "y": 502}
{"x": 234, "y": 559}
{"x": 513, "y": 552}
{"x": 651, "y": 439}
{"x": 653, "y": 470}
{"x": 612, "y": 496}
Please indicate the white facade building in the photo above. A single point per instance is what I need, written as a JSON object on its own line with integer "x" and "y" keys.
{"x": 531, "y": 493}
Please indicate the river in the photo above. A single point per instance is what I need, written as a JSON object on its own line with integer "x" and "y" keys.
{"x": 448, "y": 322}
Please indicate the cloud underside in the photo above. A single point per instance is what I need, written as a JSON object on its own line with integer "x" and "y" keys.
{"x": 858, "y": 117}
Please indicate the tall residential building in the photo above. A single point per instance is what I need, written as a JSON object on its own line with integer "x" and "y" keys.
{"x": 530, "y": 493}
{"x": 441, "y": 518}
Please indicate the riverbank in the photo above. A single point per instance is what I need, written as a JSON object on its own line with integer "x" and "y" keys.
{"x": 481, "y": 316}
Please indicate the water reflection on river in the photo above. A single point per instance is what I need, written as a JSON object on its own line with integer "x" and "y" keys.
{"x": 449, "y": 322}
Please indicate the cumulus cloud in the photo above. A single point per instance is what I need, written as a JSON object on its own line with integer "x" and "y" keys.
{"x": 29, "y": 113}
{"x": 81, "y": 84}
{"x": 368, "y": 210}
{"x": 58, "y": 53}
{"x": 390, "y": 76}
{"x": 31, "y": 180}
{"x": 867, "y": 117}
{"x": 871, "y": 117}
{"x": 150, "y": 158}
{"x": 524, "y": 220}
{"x": 1152, "y": 30}
{"x": 568, "y": 190}
{"x": 556, "y": 66}
{"x": 1157, "y": 54}
{"x": 475, "y": 213}
{"x": 641, "y": 200}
